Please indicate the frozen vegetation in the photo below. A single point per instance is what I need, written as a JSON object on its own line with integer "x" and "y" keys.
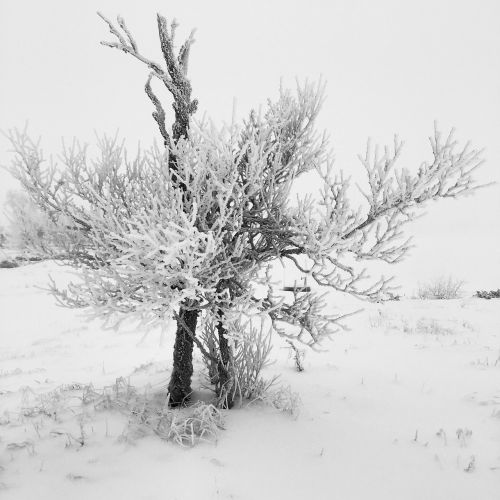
{"x": 173, "y": 251}
{"x": 404, "y": 405}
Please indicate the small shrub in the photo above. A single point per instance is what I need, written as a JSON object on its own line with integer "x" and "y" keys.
{"x": 492, "y": 294}
{"x": 250, "y": 356}
{"x": 285, "y": 400}
{"x": 282, "y": 399}
{"x": 184, "y": 426}
{"x": 431, "y": 327}
{"x": 441, "y": 289}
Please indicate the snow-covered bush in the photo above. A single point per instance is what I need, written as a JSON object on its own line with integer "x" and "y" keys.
{"x": 189, "y": 230}
{"x": 443, "y": 288}
{"x": 492, "y": 294}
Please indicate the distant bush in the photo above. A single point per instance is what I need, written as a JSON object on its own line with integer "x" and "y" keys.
{"x": 36, "y": 232}
{"x": 28, "y": 225}
{"x": 443, "y": 288}
{"x": 8, "y": 264}
{"x": 492, "y": 294}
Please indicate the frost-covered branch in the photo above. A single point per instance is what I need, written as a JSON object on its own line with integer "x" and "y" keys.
{"x": 305, "y": 314}
{"x": 173, "y": 75}
{"x": 154, "y": 246}
{"x": 334, "y": 236}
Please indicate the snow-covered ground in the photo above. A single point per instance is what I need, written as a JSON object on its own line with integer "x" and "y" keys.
{"x": 405, "y": 405}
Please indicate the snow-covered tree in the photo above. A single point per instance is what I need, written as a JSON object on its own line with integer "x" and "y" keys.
{"x": 189, "y": 229}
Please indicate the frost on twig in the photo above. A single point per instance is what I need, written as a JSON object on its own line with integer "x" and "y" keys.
{"x": 148, "y": 247}
{"x": 173, "y": 75}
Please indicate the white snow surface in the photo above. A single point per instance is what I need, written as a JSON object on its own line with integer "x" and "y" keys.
{"x": 405, "y": 405}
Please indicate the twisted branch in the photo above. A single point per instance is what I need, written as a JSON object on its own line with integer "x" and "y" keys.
{"x": 174, "y": 76}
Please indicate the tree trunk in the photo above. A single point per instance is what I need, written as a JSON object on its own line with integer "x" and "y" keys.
{"x": 225, "y": 384}
{"x": 179, "y": 387}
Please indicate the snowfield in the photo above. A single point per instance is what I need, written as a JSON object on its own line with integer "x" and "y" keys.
{"x": 405, "y": 405}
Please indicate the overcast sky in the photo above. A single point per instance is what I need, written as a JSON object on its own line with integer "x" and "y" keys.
{"x": 390, "y": 66}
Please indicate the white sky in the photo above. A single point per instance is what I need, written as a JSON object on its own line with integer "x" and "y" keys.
{"x": 391, "y": 67}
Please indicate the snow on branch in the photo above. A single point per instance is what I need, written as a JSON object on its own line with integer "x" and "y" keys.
{"x": 173, "y": 75}
{"x": 150, "y": 246}
{"x": 334, "y": 235}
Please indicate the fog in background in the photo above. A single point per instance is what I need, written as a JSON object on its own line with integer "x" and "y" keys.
{"x": 390, "y": 67}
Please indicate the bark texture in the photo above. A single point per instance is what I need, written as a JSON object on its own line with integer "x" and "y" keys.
{"x": 179, "y": 387}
